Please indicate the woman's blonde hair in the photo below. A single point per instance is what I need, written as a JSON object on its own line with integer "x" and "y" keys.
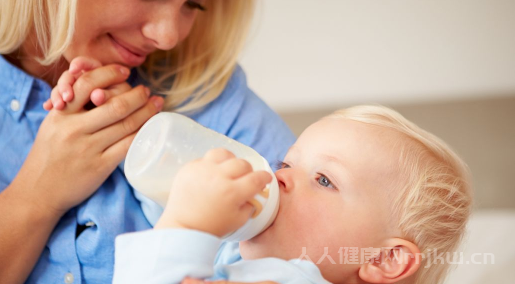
{"x": 435, "y": 198}
{"x": 53, "y": 21}
{"x": 191, "y": 75}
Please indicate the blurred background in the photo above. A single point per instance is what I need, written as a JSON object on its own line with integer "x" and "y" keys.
{"x": 447, "y": 65}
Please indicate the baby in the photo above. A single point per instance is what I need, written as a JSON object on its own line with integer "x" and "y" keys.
{"x": 365, "y": 197}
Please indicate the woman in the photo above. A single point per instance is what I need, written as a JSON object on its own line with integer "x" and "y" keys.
{"x": 63, "y": 197}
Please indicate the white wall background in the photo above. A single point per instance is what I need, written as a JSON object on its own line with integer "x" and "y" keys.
{"x": 305, "y": 54}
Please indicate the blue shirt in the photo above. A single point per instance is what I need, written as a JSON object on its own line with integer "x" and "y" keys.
{"x": 167, "y": 256}
{"x": 113, "y": 209}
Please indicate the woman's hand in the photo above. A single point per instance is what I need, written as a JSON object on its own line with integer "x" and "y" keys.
{"x": 76, "y": 150}
{"x": 218, "y": 188}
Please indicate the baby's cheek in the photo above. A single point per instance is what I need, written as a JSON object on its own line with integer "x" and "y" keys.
{"x": 308, "y": 223}
{"x": 302, "y": 218}
{"x": 323, "y": 225}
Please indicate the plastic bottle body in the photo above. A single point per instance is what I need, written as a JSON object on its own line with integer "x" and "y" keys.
{"x": 169, "y": 140}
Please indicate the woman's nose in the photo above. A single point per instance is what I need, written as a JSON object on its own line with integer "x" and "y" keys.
{"x": 163, "y": 28}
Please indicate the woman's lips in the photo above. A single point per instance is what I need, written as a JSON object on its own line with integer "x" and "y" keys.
{"x": 128, "y": 57}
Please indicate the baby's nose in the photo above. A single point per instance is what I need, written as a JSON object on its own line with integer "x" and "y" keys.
{"x": 285, "y": 180}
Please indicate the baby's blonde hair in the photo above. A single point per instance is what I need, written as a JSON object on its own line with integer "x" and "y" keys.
{"x": 200, "y": 66}
{"x": 435, "y": 198}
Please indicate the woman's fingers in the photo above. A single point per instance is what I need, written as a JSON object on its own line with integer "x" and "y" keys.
{"x": 100, "y": 78}
{"x": 100, "y": 96}
{"x": 111, "y": 134}
{"x": 116, "y": 109}
{"x": 119, "y": 88}
{"x": 117, "y": 152}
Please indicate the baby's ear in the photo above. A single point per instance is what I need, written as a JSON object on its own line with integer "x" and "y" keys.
{"x": 398, "y": 260}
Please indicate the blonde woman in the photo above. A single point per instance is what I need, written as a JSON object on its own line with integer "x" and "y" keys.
{"x": 63, "y": 199}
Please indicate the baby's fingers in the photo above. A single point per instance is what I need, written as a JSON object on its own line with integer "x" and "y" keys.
{"x": 56, "y": 99}
{"x": 218, "y": 155}
{"x": 83, "y": 64}
{"x": 64, "y": 85}
{"x": 48, "y": 105}
{"x": 251, "y": 184}
{"x": 98, "y": 97}
{"x": 235, "y": 168}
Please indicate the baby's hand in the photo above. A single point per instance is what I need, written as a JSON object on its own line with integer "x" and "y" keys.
{"x": 63, "y": 92}
{"x": 212, "y": 194}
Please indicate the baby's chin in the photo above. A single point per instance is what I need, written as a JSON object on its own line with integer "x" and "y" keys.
{"x": 250, "y": 250}
{"x": 257, "y": 247}
{"x": 266, "y": 244}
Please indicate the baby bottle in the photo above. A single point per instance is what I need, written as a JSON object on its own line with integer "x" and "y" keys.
{"x": 169, "y": 140}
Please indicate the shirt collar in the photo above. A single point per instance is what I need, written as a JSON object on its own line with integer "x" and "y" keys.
{"x": 15, "y": 88}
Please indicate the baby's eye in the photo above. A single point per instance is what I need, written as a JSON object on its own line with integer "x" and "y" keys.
{"x": 280, "y": 165}
{"x": 284, "y": 165}
{"x": 325, "y": 182}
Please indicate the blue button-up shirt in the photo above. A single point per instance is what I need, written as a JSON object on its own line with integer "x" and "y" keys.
{"x": 112, "y": 209}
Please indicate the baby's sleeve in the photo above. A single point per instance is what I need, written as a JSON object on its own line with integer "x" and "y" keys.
{"x": 164, "y": 256}
{"x": 295, "y": 271}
